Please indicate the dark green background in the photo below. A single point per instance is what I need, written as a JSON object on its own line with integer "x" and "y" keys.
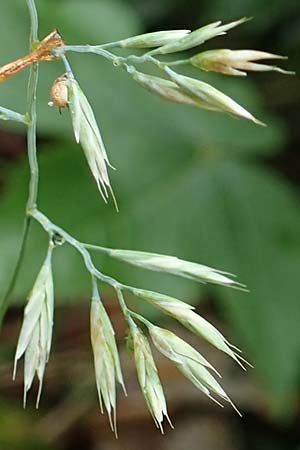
{"x": 198, "y": 185}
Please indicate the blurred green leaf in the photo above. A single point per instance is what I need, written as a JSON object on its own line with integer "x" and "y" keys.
{"x": 186, "y": 186}
{"x": 19, "y": 437}
{"x": 225, "y": 216}
{"x": 265, "y": 13}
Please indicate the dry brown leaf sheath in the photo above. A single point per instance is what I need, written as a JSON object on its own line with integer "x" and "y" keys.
{"x": 43, "y": 52}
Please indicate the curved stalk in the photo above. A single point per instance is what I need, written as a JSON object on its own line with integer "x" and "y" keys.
{"x": 32, "y": 157}
{"x": 8, "y": 114}
{"x": 5, "y": 300}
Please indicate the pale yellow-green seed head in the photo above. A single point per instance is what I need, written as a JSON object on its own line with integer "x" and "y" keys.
{"x": 36, "y": 333}
{"x": 176, "y": 266}
{"x": 193, "y": 365}
{"x": 214, "y": 98}
{"x": 235, "y": 62}
{"x": 165, "y": 89}
{"x": 87, "y": 133}
{"x": 104, "y": 364}
{"x": 200, "y": 36}
{"x": 148, "y": 378}
{"x": 184, "y": 314}
{"x": 156, "y": 39}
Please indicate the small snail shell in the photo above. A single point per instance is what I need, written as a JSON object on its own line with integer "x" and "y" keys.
{"x": 59, "y": 92}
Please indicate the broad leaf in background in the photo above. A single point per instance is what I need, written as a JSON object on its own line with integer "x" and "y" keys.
{"x": 186, "y": 186}
{"x": 266, "y": 14}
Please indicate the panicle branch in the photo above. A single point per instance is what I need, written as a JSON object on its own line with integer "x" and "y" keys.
{"x": 35, "y": 337}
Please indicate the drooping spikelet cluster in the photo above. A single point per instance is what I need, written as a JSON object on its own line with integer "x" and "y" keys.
{"x": 177, "y": 88}
{"x": 106, "y": 357}
{"x": 36, "y": 333}
{"x": 190, "y": 91}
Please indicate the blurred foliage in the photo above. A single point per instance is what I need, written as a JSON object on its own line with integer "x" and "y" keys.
{"x": 188, "y": 183}
{"x": 20, "y": 437}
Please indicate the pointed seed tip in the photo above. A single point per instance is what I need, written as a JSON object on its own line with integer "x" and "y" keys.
{"x": 15, "y": 370}
{"x": 124, "y": 389}
{"x": 116, "y": 431}
{"x": 161, "y": 428}
{"x": 24, "y": 398}
{"x": 170, "y": 422}
{"x": 234, "y": 407}
{"x": 259, "y": 122}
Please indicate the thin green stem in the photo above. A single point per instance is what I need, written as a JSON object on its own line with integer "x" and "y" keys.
{"x": 126, "y": 311}
{"x": 8, "y": 114}
{"x": 180, "y": 62}
{"x": 31, "y": 139}
{"x": 155, "y": 51}
{"x": 97, "y": 49}
{"x": 34, "y": 23}
{"x": 111, "y": 44}
{"x": 97, "y": 248}
{"x": 31, "y": 148}
{"x": 31, "y": 111}
{"x": 67, "y": 66}
{"x": 141, "y": 318}
{"x": 118, "y": 60}
{"x": 5, "y": 300}
{"x": 95, "y": 291}
{"x": 55, "y": 230}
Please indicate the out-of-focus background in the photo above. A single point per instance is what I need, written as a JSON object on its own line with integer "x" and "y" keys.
{"x": 199, "y": 185}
